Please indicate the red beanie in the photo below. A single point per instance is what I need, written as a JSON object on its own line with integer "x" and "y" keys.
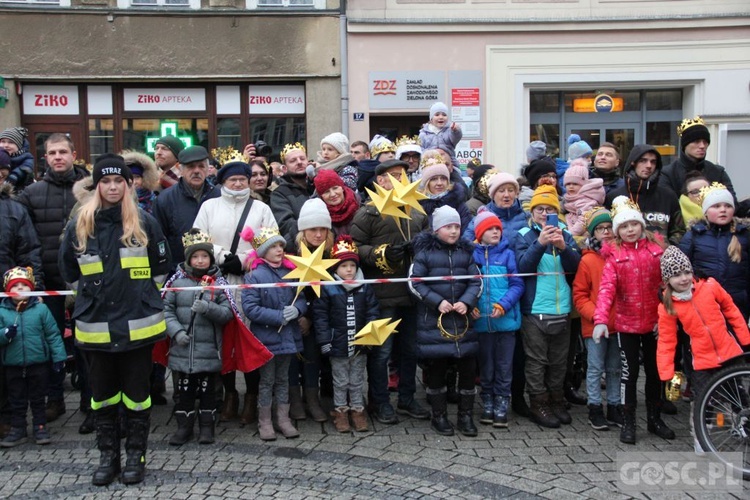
{"x": 484, "y": 221}
{"x": 325, "y": 180}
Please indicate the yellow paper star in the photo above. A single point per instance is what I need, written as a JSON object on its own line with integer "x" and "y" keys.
{"x": 386, "y": 202}
{"x": 311, "y": 266}
{"x": 375, "y": 332}
{"x": 407, "y": 193}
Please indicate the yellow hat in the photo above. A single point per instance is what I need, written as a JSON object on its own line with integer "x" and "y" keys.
{"x": 545, "y": 195}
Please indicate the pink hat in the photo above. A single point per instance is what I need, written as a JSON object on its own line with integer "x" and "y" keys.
{"x": 434, "y": 170}
{"x": 577, "y": 173}
{"x": 498, "y": 180}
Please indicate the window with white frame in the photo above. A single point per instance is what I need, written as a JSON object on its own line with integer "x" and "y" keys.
{"x": 177, "y": 4}
{"x": 290, "y": 4}
{"x": 61, "y": 3}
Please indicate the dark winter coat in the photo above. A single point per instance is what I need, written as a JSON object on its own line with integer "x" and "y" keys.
{"x": 550, "y": 294}
{"x": 203, "y": 354}
{"x": 118, "y": 306}
{"x": 513, "y": 218}
{"x": 264, "y": 306}
{"x": 612, "y": 180}
{"x": 505, "y": 291}
{"x": 21, "y": 168}
{"x": 706, "y": 247}
{"x": 433, "y": 257}
{"x": 49, "y": 203}
{"x": 20, "y": 243}
{"x": 453, "y": 198}
{"x": 330, "y": 315}
{"x": 286, "y": 202}
{"x": 673, "y": 175}
{"x": 175, "y": 209}
{"x": 369, "y": 231}
{"x": 660, "y": 205}
{"x": 38, "y": 339}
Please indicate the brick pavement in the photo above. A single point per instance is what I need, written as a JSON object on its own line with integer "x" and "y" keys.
{"x": 406, "y": 460}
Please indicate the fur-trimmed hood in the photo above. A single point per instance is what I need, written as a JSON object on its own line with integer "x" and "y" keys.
{"x": 7, "y": 190}
{"x": 82, "y": 191}
{"x": 150, "y": 172}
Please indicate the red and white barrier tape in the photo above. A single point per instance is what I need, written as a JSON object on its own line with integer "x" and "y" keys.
{"x": 295, "y": 284}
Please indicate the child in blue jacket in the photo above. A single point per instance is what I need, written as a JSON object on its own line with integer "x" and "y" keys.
{"x": 29, "y": 340}
{"x": 274, "y": 314}
{"x": 14, "y": 141}
{"x": 497, "y": 317}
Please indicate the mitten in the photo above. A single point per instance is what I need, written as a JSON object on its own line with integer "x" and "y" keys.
{"x": 200, "y": 306}
{"x": 290, "y": 313}
{"x": 182, "y": 339}
{"x": 11, "y": 332}
{"x": 599, "y": 332}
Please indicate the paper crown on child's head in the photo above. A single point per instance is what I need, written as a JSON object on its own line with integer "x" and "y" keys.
{"x": 624, "y": 210}
{"x": 16, "y": 274}
{"x": 713, "y": 194}
{"x": 265, "y": 238}
{"x": 288, "y": 148}
{"x": 344, "y": 248}
{"x": 195, "y": 240}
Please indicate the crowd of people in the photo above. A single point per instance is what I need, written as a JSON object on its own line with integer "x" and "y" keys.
{"x": 586, "y": 251}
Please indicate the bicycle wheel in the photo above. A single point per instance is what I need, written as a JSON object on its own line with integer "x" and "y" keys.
{"x": 722, "y": 416}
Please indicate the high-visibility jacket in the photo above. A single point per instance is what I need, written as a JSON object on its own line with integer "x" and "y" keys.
{"x": 118, "y": 306}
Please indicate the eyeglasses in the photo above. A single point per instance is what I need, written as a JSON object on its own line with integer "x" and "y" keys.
{"x": 548, "y": 176}
{"x": 603, "y": 229}
{"x": 543, "y": 209}
{"x": 694, "y": 192}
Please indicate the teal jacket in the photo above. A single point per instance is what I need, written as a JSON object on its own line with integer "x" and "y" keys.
{"x": 38, "y": 339}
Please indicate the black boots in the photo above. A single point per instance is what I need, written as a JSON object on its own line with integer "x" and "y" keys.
{"x": 558, "y": 407}
{"x": 596, "y": 418}
{"x": 627, "y": 432}
{"x": 541, "y": 412}
{"x": 465, "y": 421}
{"x": 135, "y": 447}
{"x": 109, "y": 447}
{"x": 517, "y": 401}
{"x": 206, "y": 426}
{"x": 655, "y": 424}
{"x": 185, "y": 424}
{"x": 439, "y": 421}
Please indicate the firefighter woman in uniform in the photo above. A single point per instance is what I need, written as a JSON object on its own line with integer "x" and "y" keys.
{"x": 115, "y": 257}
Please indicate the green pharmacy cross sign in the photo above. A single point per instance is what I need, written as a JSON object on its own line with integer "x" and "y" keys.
{"x": 168, "y": 128}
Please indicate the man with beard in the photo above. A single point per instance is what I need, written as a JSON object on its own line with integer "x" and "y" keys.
{"x": 606, "y": 166}
{"x": 292, "y": 192}
{"x": 166, "y": 151}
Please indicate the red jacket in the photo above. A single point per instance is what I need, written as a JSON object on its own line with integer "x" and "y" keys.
{"x": 631, "y": 278}
{"x": 704, "y": 318}
{"x": 586, "y": 291}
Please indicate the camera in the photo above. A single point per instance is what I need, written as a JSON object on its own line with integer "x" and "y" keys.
{"x": 263, "y": 149}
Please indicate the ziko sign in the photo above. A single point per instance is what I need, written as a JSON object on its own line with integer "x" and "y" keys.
{"x": 277, "y": 99}
{"x": 405, "y": 89}
{"x": 50, "y": 100}
{"x": 164, "y": 99}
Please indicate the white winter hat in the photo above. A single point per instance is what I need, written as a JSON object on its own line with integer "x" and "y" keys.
{"x": 624, "y": 210}
{"x": 713, "y": 194}
{"x": 438, "y": 107}
{"x": 339, "y": 142}
{"x": 314, "y": 213}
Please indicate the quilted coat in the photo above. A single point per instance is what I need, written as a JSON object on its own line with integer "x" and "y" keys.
{"x": 586, "y": 291}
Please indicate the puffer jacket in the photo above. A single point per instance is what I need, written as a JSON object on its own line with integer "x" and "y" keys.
{"x": 203, "y": 354}
{"x": 433, "y": 257}
{"x": 22, "y": 168}
{"x": 706, "y": 247}
{"x": 673, "y": 175}
{"x": 453, "y": 199}
{"x": 38, "y": 339}
{"x": 631, "y": 278}
{"x": 20, "y": 243}
{"x": 286, "y": 203}
{"x": 548, "y": 294}
{"x": 49, "y": 203}
{"x": 586, "y": 291}
{"x": 513, "y": 218}
{"x": 704, "y": 318}
{"x": 505, "y": 291}
{"x": 446, "y": 139}
{"x": 369, "y": 231}
{"x": 330, "y": 315}
{"x": 264, "y": 306}
{"x": 118, "y": 306}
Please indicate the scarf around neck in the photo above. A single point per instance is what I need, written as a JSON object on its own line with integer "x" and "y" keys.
{"x": 343, "y": 213}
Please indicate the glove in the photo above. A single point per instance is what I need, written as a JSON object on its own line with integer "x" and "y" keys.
{"x": 231, "y": 265}
{"x": 11, "y": 332}
{"x": 58, "y": 366}
{"x": 599, "y": 332}
{"x": 395, "y": 253}
{"x": 290, "y": 313}
{"x": 182, "y": 339}
{"x": 325, "y": 349}
{"x": 200, "y": 306}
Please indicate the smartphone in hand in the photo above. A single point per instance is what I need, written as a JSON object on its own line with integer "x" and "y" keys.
{"x": 552, "y": 220}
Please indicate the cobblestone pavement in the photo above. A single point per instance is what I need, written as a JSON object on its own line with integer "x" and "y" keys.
{"x": 406, "y": 460}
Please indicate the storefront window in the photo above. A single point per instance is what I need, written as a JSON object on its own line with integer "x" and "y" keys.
{"x": 278, "y": 130}
{"x": 545, "y": 102}
{"x": 664, "y": 100}
{"x": 548, "y": 133}
{"x": 228, "y": 133}
{"x": 663, "y": 136}
{"x": 631, "y": 101}
{"x": 135, "y": 131}
{"x": 101, "y": 137}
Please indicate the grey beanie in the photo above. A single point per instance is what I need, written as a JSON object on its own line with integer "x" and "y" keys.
{"x": 536, "y": 150}
{"x": 16, "y": 135}
{"x": 443, "y": 216}
{"x": 314, "y": 213}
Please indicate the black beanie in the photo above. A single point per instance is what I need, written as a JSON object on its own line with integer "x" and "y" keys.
{"x": 694, "y": 133}
{"x": 173, "y": 143}
{"x": 537, "y": 169}
{"x": 110, "y": 164}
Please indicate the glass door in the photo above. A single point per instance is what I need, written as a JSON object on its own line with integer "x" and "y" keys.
{"x": 622, "y": 135}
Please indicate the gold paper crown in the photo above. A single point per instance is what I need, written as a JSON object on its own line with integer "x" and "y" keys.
{"x": 195, "y": 237}
{"x": 405, "y": 140}
{"x": 618, "y": 205}
{"x": 689, "y": 122}
{"x": 430, "y": 161}
{"x": 345, "y": 244}
{"x": 384, "y": 146}
{"x": 289, "y": 148}
{"x": 18, "y": 273}
{"x": 265, "y": 234}
{"x": 708, "y": 189}
{"x": 483, "y": 185}
{"x": 227, "y": 154}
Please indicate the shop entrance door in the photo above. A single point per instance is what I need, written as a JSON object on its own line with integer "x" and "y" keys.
{"x": 394, "y": 127}
{"x": 39, "y": 133}
{"x": 623, "y": 135}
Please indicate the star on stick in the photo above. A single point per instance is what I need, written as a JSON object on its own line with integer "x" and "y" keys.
{"x": 407, "y": 193}
{"x": 375, "y": 332}
{"x": 310, "y": 267}
{"x": 387, "y": 203}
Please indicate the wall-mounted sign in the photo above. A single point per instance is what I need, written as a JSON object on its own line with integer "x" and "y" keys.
{"x": 358, "y": 117}
{"x": 164, "y": 99}
{"x": 599, "y": 104}
{"x": 277, "y": 99}
{"x": 406, "y": 89}
{"x": 168, "y": 128}
{"x": 50, "y": 100}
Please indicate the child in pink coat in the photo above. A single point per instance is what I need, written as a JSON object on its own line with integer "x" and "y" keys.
{"x": 581, "y": 194}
